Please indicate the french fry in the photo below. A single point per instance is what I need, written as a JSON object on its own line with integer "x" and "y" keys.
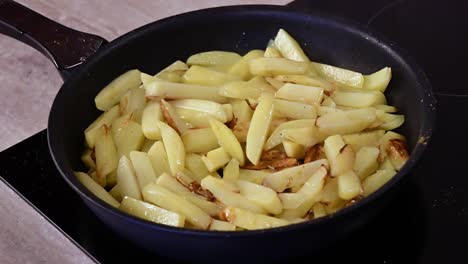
{"x": 386, "y": 108}
{"x": 147, "y": 144}
{"x": 255, "y": 176}
{"x": 251, "y": 220}
{"x": 115, "y": 192}
{"x": 340, "y": 155}
{"x": 349, "y": 185}
{"x": 346, "y": 122}
{"x": 210, "y": 58}
{"x": 149, "y": 125}
{"x": 111, "y": 94}
{"x": 294, "y": 110}
{"x": 218, "y": 225}
{"x": 274, "y": 82}
{"x": 300, "y": 93}
{"x": 204, "y": 76}
{"x": 306, "y": 136}
{"x": 304, "y": 80}
{"x": 151, "y": 212}
{"x": 358, "y": 99}
{"x": 96, "y": 189}
{"x": 276, "y": 66}
{"x": 376, "y": 180}
{"x": 168, "y": 90}
{"x": 323, "y": 110}
{"x": 294, "y": 176}
{"x": 293, "y": 149}
{"x": 259, "y": 127}
{"x": 87, "y": 159}
{"x": 194, "y": 163}
{"x": 359, "y": 140}
{"x": 106, "y": 155}
{"x": 193, "y": 144}
{"x": 224, "y": 193}
{"x": 378, "y": 80}
{"x": 391, "y": 121}
{"x": 128, "y": 135}
{"x": 127, "y": 180}
{"x": 272, "y": 52}
{"x": 393, "y": 146}
{"x": 133, "y": 101}
{"x": 143, "y": 168}
{"x": 241, "y": 110}
{"x": 174, "y": 148}
{"x": 239, "y": 90}
{"x": 173, "y": 119}
{"x": 228, "y": 141}
{"x": 216, "y": 159}
{"x": 261, "y": 195}
{"x": 241, "y": 67}
{"x": 176, "y": 187}
{"x": 339, "y": 75}
{"x": 168, "y": 200}
{"x": 231, "y": 171}
{"x": 366, "y": 161}
{"x": 318, "y": 210}
{"x": 289, "y": 47}
{"x": 106, "y": 118}
{"x": 276, "y": 136}
{"x": 158, "y": 157}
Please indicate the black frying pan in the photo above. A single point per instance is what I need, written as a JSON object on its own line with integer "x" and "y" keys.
{"x": 87, "y": 63}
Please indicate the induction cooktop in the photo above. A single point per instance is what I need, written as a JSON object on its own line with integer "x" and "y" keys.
{"x": 426, "y": 223}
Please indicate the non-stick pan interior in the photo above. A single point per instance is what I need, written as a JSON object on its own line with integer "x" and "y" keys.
{"x": 237, "y": 29}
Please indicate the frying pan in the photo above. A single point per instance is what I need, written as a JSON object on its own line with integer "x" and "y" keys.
{"x": 88, "y": 62}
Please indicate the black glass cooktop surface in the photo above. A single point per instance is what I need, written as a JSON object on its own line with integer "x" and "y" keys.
{"x": 426, "y": 223}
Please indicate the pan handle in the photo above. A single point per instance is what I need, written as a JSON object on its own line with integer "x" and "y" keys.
{"x": 65, "y": 47}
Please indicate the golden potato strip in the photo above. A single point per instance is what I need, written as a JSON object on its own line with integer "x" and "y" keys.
{"x": 149, "y": 125}
{"x": 158, "y": 157}
{"x": 250, "y": 220}
{"x": 294, "y": 110}
{"x": 339, "y": 75}
{"x": 193, "y": 144}
{"x": 300, "y": 93}
{"x": 106, "y": 118}
{"x": 143, "y": 168}
{"x": 151, "y": 212}
{"x": 276, "y": 136}
{"x": 214, "y": 58}
{"x": 168, "y": 90}
{"x": 96, "y": 189}
{"x": 128, "y": 135}
{"x": 276, "y": 66}
{"x": 289, "y": 47}
{"x": 106, "y": 154}
{"x": 227, "y": 140}
{"x": 111, "y": 94}
{"x": 346, "y": 122}
{"x": 204, "y": 76}
{"x": 174, "y": 147}
{"x": 127, "y": 180}
{"x": 378, "y": 80}
{"x": 241, "y": 67}
{"x": 261, "y": 195}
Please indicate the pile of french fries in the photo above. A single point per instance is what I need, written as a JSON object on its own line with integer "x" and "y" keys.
{"x": 229, "y": 142}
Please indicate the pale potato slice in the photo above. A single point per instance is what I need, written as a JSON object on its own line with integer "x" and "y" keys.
{"x": 224, "y": 193}
{"x": 127, "y": 180}
{"x": 231, "y": 171}
{"x": 195, "y": 118}
{"x": 133, "y": 101}
{"x": 205, "y": 76}
{"x": 168, "y": 200}
{"x": 87, "y": 159}
{"x": 378, "y": 80}
{"x": 241, "y": 110}
{"x": 328, "y": 102}
{"x": 259, "y": 127}
{"x": 349, "y": 185}
{"x": 391, "y": 121}
{"x": 193, "y": 144}
{"x": 216, "y": 159}
{"x": 251, "y": 220}
{"x": 115, "y": 192}
{"x": 386, "y": 165}
{"x": 210, "y": 108}
{"x": 377, "y": 180}
{"x": 175, "y": 66}
{"x": 329, "y": 192}
{"x": 255, "y": 176}
{"x": 151, "y": 212}
{"x": 240, "y": 90}
{"x": 366, "y": 161}
{"x": 218, "y": 225}
{"x": 174, "y": 76}
{"x": 386, "y": 108}
{"x": 293, "y": 149}
{"x": 339, "y": 75}
{"x": 149, "y": 125}
{"x": 276, "y": 136}
{"x": 241, "y": 67}
{"x": 346, "y": 122}
{"x": 293, "y": 176}
{"x": 358, "y": 99}
{"x": 305, "y": 136}
{"x": 111, "y": 179}
{"x": 299, "y": 212}
{"x": 289, "y": 47}
{"x": 174, "y": 148}
{"x": 173, "y": 119}
{"x": 158, "y": 157}
{"x": 294, "y": 110}
{"x": 272, "y": 52}
{"x": 300, "y": 93}
{"x": 173, "y": 185}
{"x": 323, "y": 110}
{"x": 310, "y": 190}
{"x": 274, "y": 82}
{"x": 143, "y": 168}
{"x": 106, "y": 155}
{"x": 228, "y": 141}
{"x": 359, "y": 140}
{"x": 146, "y": 78}
{"x": 106, "y": 118}
{"x": 194, "y": 163}
{"x": 261, "y": 195}
{"x": 304, "y": 80}
{"x": 340, "y": 155}
{"x": 262, "y": 84}
{"x": 96, "y": 189}
{"x": 393, "y": 146}
{"x": 168, "y": 90}
{"x": 229, "y": 113}
{"x": 210, "y": 58}
{"x": 147, "y": 144}
{"x": 128, "y": 135}
{"x": 318, "y": 210}
{"x": 276, "y": 66}
{"x": 111, "y": 94}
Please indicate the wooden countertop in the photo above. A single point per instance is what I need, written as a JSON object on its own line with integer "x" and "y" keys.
{"x": 29, "y": 84}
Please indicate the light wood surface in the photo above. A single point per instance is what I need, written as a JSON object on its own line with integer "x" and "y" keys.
{"x": 29, "y": 83}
